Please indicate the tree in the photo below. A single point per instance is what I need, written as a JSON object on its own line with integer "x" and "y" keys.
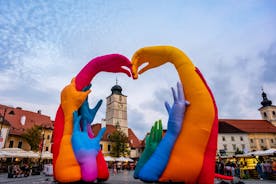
{"x": 119, "y": 143}
{"x": 33, "y": 137}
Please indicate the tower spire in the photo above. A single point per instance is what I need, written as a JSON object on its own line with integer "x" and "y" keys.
{"x": 265, "y": 101}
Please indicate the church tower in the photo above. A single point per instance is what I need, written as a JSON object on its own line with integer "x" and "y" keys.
{"x": 268, "y": 111}
{"x": 116, "y": 108}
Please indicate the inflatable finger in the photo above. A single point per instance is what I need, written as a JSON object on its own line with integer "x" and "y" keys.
{"x": 152, "y": 171}
{"x": 192, "y": 159}
{"x": 66, "y": 167}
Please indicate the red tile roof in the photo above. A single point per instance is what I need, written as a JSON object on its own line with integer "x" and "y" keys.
{"x": 133, "y": 140}
{"x": 135, "y": 143}
{"x": 109, "y": 130}
{"x": 247, "y": 126}
{"x": 31, "y": 119}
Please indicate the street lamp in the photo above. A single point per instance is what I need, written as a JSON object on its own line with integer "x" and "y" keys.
{"x": 41, "y": 148}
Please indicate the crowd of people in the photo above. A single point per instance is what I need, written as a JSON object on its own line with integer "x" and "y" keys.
{"x": 264, "y": 169}
{"x": 15, "y": 170}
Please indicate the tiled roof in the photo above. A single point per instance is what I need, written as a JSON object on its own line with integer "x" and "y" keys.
{"x": 224, "y": 127}
{"x": 135, "y": 143}
{"x": 109, "y": 130}
{"x": 247, "y": 126}
{"x": 31, "y": 119}
{"x": 133, "y": 140}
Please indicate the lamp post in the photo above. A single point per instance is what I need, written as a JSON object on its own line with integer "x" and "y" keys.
{"x": 2, "y": 120}
{"x": 41, "y": 149}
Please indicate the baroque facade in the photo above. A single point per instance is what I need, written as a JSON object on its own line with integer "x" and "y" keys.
{"x": 237, "y": 135}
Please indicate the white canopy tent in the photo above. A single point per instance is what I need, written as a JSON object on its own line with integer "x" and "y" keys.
{"x": 109, "y": 159}
{"x": 123, "y": 159}
{"x": 17, "y": 152}
{"x": 20, "y": 153}
{"x": 46, "y": 155}
{"x": 268, "y": 152}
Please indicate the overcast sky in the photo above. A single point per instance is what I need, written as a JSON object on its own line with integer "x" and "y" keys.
{"x": 43, "y": 44}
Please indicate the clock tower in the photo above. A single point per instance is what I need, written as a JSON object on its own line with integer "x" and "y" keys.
{"x": 116, "y": 108}
{"x": 268, "y": 111}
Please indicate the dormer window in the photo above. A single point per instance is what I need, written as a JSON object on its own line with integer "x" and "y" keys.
{"x": 23, "y": 120}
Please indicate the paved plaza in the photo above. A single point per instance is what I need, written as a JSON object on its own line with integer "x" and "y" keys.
{"x": 123, "y": 177}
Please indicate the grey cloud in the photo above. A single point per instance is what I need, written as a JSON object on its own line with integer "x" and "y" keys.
{"x": 31, "y": 95}
{"x": 269, "y": 57}
{"x": 137, "y": 122}
{"x": 236, "y": 89}
{"x": 158, "y": 100}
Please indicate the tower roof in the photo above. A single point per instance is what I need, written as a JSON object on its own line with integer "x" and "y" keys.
{"x": 116, "y": 90}
{"x": 265, "y": 101}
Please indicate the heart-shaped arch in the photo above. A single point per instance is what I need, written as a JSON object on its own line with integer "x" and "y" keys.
{"x": 195, "y": 145}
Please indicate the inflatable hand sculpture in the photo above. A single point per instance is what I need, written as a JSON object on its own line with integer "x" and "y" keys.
{"x": 66, "y": 167}
{"x": 87, "y": 117}
{"x": 152, "y": 141}
{"x": 197, "y": 140}
{"x": 86, "y": 150}
{"x": 114, "y": 63}
{"x": 152, "y": 171}
{"x": 71, "y": 100}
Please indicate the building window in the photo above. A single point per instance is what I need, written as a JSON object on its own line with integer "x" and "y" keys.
{"x": 273, "y": 112}
{"x": 108, "y": 147}
{"x": 271, "y": 140}
{"x": 223, "y": 138}
{"x": 47, "y": 149}
{"x": 251, "y": 140}
{"x": 232, "y": 138}
{"x": 225, "y": 146}
{"x": 243, "y": 147}
{"x": 19, "y": 144}
{"x": 241, "y": 138}
{"x": 48, "y": 137}
{"x": 234, "y": 147}
{"x": 262, "y": 141}
{"x": 11, "y": 144}
{"x": 265, "y": 114}
{"x": 101, "y": 146}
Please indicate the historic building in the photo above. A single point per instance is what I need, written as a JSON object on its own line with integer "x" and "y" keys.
{"x": 248, "y": 135}
{"x": 116, "y": 109}
{"x": 116, "y": 115}
{"x": 268, "y": 111}
{"x": 15, "y": 121}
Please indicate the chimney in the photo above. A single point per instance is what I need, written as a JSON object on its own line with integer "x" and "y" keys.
{"x": 39, "y": 112}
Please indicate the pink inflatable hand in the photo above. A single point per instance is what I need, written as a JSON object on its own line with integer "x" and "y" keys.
{"x": 115, "y": 63}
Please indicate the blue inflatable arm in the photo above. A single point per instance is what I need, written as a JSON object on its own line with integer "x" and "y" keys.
{"x": 155, "y": 166}
{"x": 86, "y": 149}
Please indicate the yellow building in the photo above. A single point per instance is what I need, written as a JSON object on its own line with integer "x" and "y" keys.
{"x": 249, "y": 135}
{"x": 15, "y": 122}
